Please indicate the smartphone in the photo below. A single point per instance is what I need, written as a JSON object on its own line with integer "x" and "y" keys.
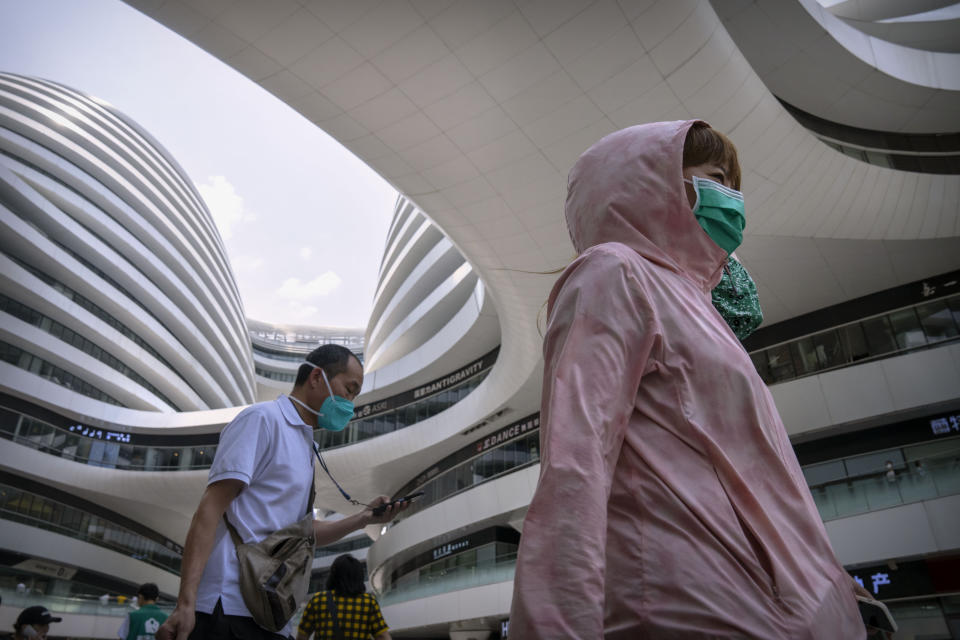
{"x": 377, "y": 511}
{"x": 875, "y": 614}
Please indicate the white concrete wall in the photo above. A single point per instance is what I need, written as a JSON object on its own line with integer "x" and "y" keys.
{"x": 487, "y": 601}
{"x": 920, "y": 528}
{"x": 498, "y": 499}
{"x": 905, "y": 382}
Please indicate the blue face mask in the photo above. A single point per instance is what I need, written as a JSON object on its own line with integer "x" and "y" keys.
{"x": 719, "y": 210}
{"x": 335, "y": 412}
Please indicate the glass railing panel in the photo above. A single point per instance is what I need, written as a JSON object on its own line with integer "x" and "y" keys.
{"x": 24, "y": 507}
{"x": 74, "y": 605}
{"x": 916, "y": 487}
{"x": 918, "y": 327}
{"x": 491, "y": 465}
{"x": 937, "y": 320}
{"x": 881, "y": 492}
{"x": 946, "y": 477}
{"x": 839, "y": 499}
{"x": 457, "y": 579}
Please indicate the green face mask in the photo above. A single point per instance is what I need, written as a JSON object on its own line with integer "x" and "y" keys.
{"x": 719, "y": 210}
{"x": 735, "y": 297}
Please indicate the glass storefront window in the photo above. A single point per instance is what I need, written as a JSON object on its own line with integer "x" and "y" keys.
{"x": 854, "y": 342}
{"x": 879, "y": 335}
{"x": 906, "y": 329}
{"x": 804, "y": 354}
{"x": 954, "y": 305}
{"x": 937, "y": 321}
{"x": 915, "y": 327}
{"x": 780, "y": 363}
{"x": 829, "y": 349}
{"x": 760, "y": 363}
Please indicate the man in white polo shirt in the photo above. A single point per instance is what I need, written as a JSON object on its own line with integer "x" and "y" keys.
{"x": 260, "y": 478}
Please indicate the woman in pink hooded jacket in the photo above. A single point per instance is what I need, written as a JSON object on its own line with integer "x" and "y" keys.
{"x": 670, "y": 503}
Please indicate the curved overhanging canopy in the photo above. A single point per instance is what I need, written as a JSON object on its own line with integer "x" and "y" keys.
{"x": 477, "y": 110}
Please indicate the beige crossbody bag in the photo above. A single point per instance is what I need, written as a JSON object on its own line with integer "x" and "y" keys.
{"x": 274, "y": 573}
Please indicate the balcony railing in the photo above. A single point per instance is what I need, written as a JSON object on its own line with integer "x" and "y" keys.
{"x": 922, "y": 326}
{"x": 69, "y": 605}
{"x": 938, "y": 477}
{"x": 455, "y": 579}
{"x": 41, "y": 512}
{"x": 43, "y": 436}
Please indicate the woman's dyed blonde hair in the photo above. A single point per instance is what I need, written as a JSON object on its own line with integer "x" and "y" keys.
{"x": 705, "y": 144}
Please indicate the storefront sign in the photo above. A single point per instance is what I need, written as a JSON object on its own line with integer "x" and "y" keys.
{"x": 897, "y": 580}
{"x": 523, "y": 426}
{"x": 99, "y": 434}
{"x": 449, "y": 381}
{"x": 433, "y": 387}
{"x": 462, "y": 544}
{"x": 46, "y": 568}
{"x": 452, "y": 547}
{"x": 509, "y": 432}
{"x": 946, "y": 425}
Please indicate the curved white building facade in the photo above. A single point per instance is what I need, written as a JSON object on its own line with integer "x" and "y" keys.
{"x": 112, "y": 263}
{"x": 475, "y": 111}
{"x": 278, "y": 351}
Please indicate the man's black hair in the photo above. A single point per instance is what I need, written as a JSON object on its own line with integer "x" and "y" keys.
{"x": 148, "y": 591}
{"x": 346, "y": 576}
{"x": 333, "y": 358}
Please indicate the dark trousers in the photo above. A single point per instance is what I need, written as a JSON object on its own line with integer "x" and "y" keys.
{"x": 220, "y": 626}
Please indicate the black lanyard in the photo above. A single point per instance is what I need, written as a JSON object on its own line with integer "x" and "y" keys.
{"x": 323, "y": 465}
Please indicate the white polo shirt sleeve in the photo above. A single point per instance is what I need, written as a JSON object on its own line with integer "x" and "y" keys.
{"x": 237, "y": 452}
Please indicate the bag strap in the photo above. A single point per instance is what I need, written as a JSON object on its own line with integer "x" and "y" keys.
{"x": 332, "y": 613}
{"x": 237, "y": 540}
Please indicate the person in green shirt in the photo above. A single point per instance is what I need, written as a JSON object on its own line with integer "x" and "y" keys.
{"x": 143, "y": 623}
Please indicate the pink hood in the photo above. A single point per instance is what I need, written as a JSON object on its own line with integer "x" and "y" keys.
{"x": 628, "y": 188}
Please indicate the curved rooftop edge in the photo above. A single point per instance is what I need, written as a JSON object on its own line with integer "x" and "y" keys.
{"x": 821, "y": 64}
{"x": 925, "y": 68}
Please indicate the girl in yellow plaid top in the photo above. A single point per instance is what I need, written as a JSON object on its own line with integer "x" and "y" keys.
{"x": 358, "y": 615}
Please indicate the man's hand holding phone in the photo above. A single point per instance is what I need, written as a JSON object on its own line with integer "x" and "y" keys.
{"x": 384, "y": 509}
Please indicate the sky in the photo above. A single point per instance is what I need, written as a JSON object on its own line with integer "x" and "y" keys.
{"x": 304, "y": 221}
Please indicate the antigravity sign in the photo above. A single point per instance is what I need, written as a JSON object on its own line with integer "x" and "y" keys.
{"x": 433, "y": 387}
